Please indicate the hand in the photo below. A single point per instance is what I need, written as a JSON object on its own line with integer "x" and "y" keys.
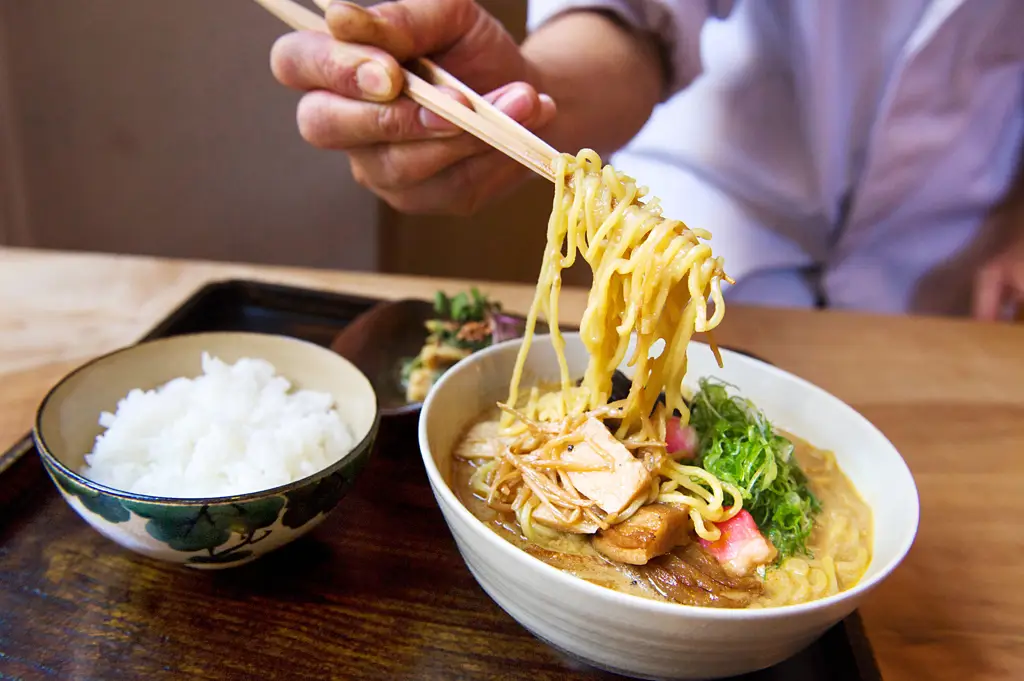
{"x": 1000, "y": 282}
{"x": 414, "y": 160}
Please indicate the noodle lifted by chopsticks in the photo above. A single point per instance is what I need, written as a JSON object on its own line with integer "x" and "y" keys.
{"x": 652, "y": 278}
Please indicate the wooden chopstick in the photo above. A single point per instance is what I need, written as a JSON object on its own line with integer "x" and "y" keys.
{"x": 502, "y": 137}
{"x": 486, "y": 122}
{"x": 438, "y": 76}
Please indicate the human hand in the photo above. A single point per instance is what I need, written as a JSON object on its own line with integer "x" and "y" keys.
{"x": 999, "y": 284}
{"x": 413, "y": 159}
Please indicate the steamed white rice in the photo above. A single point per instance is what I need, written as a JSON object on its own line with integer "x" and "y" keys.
{"x": 237, "y": 428}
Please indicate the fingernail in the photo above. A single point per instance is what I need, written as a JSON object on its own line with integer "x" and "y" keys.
{"x": 515, "y": 103}
{"x": 546, "y": 99}
{"x": 431, "y": 121}
{"x": 373, "y": 80}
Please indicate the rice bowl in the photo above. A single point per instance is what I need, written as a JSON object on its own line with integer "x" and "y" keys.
{"x": 207, "y": 531}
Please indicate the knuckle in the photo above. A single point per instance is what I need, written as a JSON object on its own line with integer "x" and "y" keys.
{"x": 400, "y": 16}
{"x": 392, "y": 122}
{"x": 330, "y": 69}
{"x": 406, "y": 22}
{"x": 396, "y": 173}
{"x": 402, "y": 166}
{"x": 336, "y": 65}
{"x": 379, "y": 170}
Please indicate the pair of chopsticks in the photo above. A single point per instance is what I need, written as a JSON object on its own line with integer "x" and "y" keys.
{"x": 484, "y": 120}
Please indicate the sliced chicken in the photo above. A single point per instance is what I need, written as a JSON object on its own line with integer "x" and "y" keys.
{"x": 544, "y": 515}
{"x": 615, "y": 489}
{"x": 652, "y": 531}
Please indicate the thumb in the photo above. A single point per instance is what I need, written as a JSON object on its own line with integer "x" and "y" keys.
{"x": 404, "y": 28}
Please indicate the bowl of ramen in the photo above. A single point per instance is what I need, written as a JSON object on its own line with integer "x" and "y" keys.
{"x": 656, "y": 507}
{"x": 634, "y": 599}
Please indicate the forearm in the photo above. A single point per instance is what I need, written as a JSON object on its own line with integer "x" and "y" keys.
{"x": 605, "y": 80}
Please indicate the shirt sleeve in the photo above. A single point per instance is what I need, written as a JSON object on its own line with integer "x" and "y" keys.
{"x": 676, "y": 23}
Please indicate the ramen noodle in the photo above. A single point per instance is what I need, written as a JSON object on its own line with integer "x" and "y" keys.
{"x": 632, "y": 482}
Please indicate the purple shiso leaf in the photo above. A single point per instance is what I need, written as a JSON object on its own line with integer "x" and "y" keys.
{"x": 506, "y": 326}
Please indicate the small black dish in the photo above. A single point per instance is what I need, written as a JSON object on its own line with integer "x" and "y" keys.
{"x": 378, "y": 341}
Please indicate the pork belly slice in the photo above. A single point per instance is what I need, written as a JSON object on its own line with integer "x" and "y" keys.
{"x": 652, "y": 531}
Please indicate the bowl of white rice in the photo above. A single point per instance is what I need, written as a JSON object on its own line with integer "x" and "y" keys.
{"x": 209, "y": 449}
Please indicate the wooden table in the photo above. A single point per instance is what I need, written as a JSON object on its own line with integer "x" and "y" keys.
{"x": 948, "y": 393}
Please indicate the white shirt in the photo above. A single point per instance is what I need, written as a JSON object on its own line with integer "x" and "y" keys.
{"x": 843, "y": 151}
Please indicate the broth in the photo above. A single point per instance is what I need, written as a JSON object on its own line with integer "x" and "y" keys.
{"x": 839, "y": 545}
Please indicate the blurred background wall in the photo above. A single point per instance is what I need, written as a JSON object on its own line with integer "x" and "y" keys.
{"x": 151, "y": 127}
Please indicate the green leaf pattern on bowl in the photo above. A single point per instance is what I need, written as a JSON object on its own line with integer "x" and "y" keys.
{"x": 307, "y": 503}
{"x": 205, "y": 528}
{"x": 105, "y": 507}
{"x": 208, "y": 528}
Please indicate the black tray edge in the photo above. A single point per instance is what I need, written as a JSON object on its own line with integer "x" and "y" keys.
{"x": 17, "y": 450}
{"x": 183, "y": 310}
{"x": 861, "y": 649}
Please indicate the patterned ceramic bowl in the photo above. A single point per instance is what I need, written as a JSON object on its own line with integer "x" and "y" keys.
{"x": 636, "y": 636}
{"x": 207, "y": 533}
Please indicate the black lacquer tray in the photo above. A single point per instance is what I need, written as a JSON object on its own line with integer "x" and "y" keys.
{"x": 378, "y": 591}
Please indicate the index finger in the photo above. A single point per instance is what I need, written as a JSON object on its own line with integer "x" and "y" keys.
{"x": 308, "y": 60}
{"x": 328, "y": 121}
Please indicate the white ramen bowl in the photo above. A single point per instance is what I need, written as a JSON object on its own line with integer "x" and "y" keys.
{"x": 637, "y": 636}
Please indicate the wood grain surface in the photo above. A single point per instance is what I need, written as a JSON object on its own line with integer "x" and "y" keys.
{"x": 948, "y": 393}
